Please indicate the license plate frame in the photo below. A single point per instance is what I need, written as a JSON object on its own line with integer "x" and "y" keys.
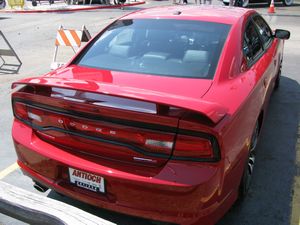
{"x": 86, "y": 180}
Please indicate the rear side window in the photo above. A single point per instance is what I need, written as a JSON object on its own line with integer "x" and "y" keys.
{"x": 264, "y": 30}
{"x": 179, "y": 48}
{"x": 252, "y": 46}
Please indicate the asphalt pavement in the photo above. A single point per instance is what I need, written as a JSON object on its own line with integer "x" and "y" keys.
{"x": 274, "y": 197}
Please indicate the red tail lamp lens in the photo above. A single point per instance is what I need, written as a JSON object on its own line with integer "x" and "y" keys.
{"x": 193, "y": 147}
{"x": 20, "y": 110}
{"x": 26, "y": 113}
{"x": 149, "y": 141}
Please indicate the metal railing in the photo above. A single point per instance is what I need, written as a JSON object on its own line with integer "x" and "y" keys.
{"x": 8, "y": 51}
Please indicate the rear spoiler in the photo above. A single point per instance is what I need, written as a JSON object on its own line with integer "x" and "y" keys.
{"x": 215, "y": 112}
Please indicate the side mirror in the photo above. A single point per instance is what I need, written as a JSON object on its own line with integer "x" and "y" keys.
{"x": 282, "y": 34}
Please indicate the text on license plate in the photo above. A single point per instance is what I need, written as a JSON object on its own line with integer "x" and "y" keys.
{"x": 87, "y": 180}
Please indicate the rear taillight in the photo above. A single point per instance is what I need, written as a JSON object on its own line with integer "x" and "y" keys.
{"x": 195, "y": 148}
{"x": 97, "y": 123}
{"x": 20, "y": 110}
{"x": 45, "y": 120}
{"x": 27, "y": 114}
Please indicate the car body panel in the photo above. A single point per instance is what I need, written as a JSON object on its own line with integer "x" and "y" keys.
{"x": 174, "y": 178}
{"x": 201, "y": 13}
{"x": 188, "y": 192}
{"x": 146, "y": 88}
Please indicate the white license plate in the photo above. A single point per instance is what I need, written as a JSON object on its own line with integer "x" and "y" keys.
{"x": 87, "y": 180}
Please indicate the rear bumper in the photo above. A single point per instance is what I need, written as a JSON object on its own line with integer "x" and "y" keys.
{"x": 183, "y": 193}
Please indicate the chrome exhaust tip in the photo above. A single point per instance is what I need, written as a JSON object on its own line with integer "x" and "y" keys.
{"x": 40, "y": 187}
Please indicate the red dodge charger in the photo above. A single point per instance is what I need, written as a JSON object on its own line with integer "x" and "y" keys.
{"x": 158, "y": 116}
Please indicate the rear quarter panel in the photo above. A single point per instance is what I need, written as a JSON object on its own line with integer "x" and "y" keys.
{"x": 245, "y": 94}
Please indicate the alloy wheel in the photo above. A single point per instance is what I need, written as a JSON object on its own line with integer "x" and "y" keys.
{"x": 245, "y": 3}
{"x": 252, "y": 153}
{"x": 278, "y": 76}
{"x": 248, "y": 171}
{"x": 288, "y": 2}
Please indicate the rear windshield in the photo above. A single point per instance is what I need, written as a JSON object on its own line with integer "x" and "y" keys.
{"x": 179, "y": 48}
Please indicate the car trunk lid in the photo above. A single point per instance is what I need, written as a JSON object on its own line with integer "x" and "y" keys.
{"x": 107, "y": 121}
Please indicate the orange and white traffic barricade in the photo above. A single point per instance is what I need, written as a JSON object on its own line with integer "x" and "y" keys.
{"x": 69, "y": 38}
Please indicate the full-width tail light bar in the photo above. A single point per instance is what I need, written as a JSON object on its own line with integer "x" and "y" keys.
{"x": 179, "y": 145}
{"x": 153, "y": 142}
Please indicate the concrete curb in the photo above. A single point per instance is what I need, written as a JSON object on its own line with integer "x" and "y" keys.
{"x": 73, "y": 9}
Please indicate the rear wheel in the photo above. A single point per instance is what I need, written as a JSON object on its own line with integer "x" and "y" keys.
{"x": 239, "y": 3}
{"x": 2, "y": 4}
{"x": 288, "y": 2}
{"x": 226, "y": 3}
{"x": 248, "y": 171}
{"x": 245, "y": 3}
{"x": 34, "y": 3}
{"x": 277, "y": 81}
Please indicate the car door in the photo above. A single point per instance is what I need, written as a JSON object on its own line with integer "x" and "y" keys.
{"x": 257, "y": 70}
{"x": 259, "y": 50}
{"x": 271, "y": 51}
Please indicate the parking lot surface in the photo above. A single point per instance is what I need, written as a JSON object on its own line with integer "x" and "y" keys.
{"x": 274, "y": 196}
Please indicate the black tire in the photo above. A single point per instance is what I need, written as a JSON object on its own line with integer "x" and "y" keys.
{"x": 248, "y": 170}
{"x": 34, "y": 3}
{"x": 2, "y": 4}
{"x": 288, "y": 2}
{"x": 226, "y": 3}
{"x": 278, "y": 76}
{"x": 245, "y": 3}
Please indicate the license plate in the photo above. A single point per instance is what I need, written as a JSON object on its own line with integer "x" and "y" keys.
{"x": 87, "y": 180}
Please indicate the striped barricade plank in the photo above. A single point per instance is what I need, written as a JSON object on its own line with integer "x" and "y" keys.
{"x": 70, "y": 38}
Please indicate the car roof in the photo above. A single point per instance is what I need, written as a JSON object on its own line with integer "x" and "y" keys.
{"x": 218, "y": 14}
